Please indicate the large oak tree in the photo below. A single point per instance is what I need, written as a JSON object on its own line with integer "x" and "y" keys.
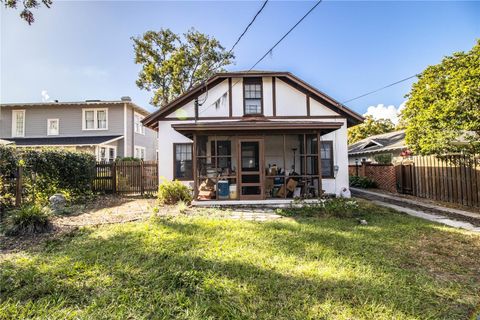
{"x": 442, "y": 114}
{"x": 172, "y": 63}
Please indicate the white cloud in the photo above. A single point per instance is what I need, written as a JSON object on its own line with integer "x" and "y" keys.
{"x": 45, "y": 96}
{"x": 381, "y": 111}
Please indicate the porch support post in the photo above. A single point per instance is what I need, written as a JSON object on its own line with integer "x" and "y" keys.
{"x": 319, "y": 154}
{"x": 284, "y": 168}
{"x": 195, "y": 187}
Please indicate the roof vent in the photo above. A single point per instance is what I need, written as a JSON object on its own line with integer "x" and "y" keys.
{"x": 126, "y": 98}
{"x": 94, "y": 100}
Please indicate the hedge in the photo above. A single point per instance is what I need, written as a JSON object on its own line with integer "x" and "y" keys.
{"x": 50, "y": 171}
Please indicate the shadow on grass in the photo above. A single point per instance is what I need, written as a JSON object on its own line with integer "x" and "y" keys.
{"x": 191, "y": 268}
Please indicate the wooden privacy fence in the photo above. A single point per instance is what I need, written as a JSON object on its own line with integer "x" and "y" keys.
{"x": 453, "y": 178}
{"x": 126, "y": 177}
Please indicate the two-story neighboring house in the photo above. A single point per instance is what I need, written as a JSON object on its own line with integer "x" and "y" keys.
{"x": 255, "y": 135}
{"x": 108, "y": 129}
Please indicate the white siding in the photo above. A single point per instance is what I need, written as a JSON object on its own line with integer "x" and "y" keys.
{"x": 237, "y": 95}
{"x": 318, "y": 109}
{"x": 267, "y": 97}
{"x": 290, "y": 102}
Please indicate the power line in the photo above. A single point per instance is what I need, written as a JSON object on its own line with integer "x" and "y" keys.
{"x": 379, "y": 89}
{"x": 234, "y": 45}
{"x": 276, "y": 44}
{"x": 286, "y": 34}
{"x": 248, "y": 26}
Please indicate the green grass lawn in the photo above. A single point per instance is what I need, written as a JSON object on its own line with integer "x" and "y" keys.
{"x": 396, "y": 267}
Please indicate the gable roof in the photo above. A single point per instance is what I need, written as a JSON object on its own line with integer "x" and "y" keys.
{"x": 379, "y": 143}
{"x": 352, "y": 117}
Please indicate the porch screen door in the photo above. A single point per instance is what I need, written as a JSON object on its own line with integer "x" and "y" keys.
{"x": 251, "y": 168}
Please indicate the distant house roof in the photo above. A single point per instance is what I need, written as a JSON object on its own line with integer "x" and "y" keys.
{"x": 64, "y": 141}
{"x": 379, "y": 143}
{"x": 90, "y": 103}
{"x": 4, "y": 142}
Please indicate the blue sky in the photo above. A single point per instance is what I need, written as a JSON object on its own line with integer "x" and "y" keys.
{"x": 82, "y": 50}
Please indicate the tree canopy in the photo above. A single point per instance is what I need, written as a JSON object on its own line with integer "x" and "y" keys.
{"x": 442, "y": 114}
{"x": 26, "y": 13}
{"x": 369, "y": 128}
{"x": 172, "y": 63}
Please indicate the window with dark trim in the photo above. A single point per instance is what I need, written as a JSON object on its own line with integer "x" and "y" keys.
{"x": 252, "y": 96}
{"x": 326, "y": 156}
{"x": 182, "y": 161}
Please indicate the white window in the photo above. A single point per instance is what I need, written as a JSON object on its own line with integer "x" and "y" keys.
{"x": 140, "y": 152}
{"x": 18, "y": 123}
{"x": 138, "y": 126}
{"x": 106, "y": 153}
{"x": 95, "y": 119}
{"x": 53, "y": 128}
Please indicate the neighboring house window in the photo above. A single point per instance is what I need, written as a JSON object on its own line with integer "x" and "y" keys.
{"x": 326, "y": 155}
{"x": 106, "y": 153}
{"x": 53, "y": 127}
{"x": 139, "y": 128}
{"x": 95, "y": 119}
{"x": 182, "y": 161}
{"x": 252, "y": 96}
{"x": 18, "y": 123}
{"x": 140, "y": 152}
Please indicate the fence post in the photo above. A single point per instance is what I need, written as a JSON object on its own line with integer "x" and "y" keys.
{"x": 114, "y": 177}
{"x": 141, "y": 178}
{"x": 363, "y": 172}
{"x": 18, "y": 191}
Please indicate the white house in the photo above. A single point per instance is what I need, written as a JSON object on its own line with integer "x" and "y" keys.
{"x": 254, "y": 135}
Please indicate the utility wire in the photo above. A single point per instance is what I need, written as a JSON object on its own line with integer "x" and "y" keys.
{"x": 277, "y": 43}
{"x": 379, "y": 89}
{"x": 248, "y": 26}
{"x": 233, "y": 47}
{"x": 286, "y": 34}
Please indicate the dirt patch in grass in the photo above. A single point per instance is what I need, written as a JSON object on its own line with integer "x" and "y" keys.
{"x": 446, "y": 256}
{"x": 106, "y": 210}
{"x": 102, "y": 210}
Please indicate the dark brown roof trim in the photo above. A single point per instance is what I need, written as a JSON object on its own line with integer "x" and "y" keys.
{"x": 243, "y": 126}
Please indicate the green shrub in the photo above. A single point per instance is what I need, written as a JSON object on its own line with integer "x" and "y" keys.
{"x": 8, "y": 168}
{"x": 337, "y": 207}
{"x": 171, "y": 192}
{"x": 28, "y": 219}
{"x": 384, "y": 158}
{"x": 362, "y": 182}
{"x": 51, "y": 171}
